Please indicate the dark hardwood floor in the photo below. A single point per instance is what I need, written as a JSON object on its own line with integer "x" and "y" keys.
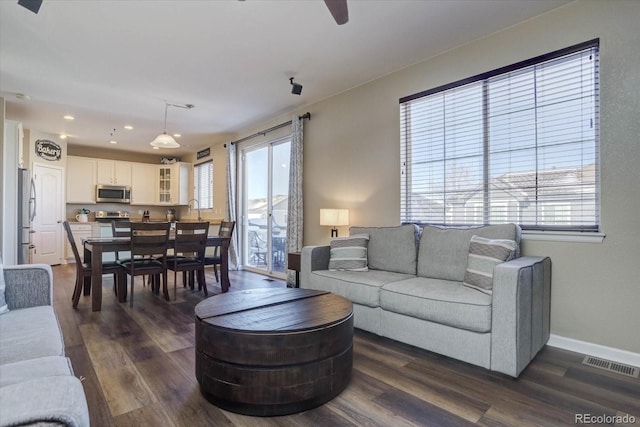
{"x": 138, "y": 369}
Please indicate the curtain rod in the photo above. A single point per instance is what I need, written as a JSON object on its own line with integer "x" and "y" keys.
{"x": 306, "y": 115}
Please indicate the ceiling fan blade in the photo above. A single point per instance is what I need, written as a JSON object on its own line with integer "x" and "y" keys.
{"x": 339, "y": 11}
{"x": 32, "y": 5}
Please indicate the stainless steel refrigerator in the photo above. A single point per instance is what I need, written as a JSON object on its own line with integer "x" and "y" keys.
{"x": 26, "y": 214}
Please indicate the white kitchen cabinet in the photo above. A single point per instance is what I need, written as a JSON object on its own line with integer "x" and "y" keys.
{"x": 173, "y": 184}
{"x": 113, "y": 172}
{"x": 81, "y": 180}
{"x": 80, "y": 231}
{"x": 143, "y": 184}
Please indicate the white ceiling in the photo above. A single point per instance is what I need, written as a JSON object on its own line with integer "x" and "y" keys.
{"x": 112, "y": 63}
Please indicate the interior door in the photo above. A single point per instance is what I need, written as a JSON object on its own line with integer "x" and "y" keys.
{"x": 49, "y": 214}
{"x": 265, "y": 206}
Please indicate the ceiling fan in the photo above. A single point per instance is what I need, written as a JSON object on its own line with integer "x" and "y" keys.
{"x": 339, "y": 11}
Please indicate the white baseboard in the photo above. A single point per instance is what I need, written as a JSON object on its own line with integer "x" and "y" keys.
{"x": 587, "y": 348}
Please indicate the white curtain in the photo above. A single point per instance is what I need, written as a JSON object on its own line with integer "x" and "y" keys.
{"x": 295, "y": 213}
{"x": 231, "y": 204}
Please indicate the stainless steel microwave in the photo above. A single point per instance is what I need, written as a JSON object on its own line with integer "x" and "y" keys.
{"x": 113, "y": 194}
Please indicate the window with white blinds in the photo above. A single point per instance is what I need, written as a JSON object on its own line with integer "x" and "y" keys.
{"x": 203, "y": 184}
{"x": 519, "y": 144}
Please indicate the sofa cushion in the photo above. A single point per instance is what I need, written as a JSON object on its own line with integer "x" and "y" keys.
{"x": 443, "y": 251}
{"x": 26, "y": 370}
{"x": 29, "y": 333}
{"x": 484, "y": 255}
{"x": 391, "y": 248}
{"x": 349, "y": 253}
{"x": 442, "y": 301}
{"x": 360, "y": 287}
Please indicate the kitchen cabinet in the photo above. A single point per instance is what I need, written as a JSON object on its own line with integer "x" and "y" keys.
{"x": 173, "y": 184}
{"x": 113, "y": 172}
{"x": 143, "y": 184}
{"x": 81, "y": 180}
{"x": 80, "y": 231}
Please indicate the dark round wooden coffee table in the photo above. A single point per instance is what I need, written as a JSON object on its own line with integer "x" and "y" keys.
{"x": 273, "y": 352}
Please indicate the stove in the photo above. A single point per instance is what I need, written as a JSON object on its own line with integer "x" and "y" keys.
{"x": 108, "y": 216}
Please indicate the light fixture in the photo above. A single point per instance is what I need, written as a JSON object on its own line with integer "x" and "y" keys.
{"x": 128, "y": 127}
{"x": 63, "y": 136}
{"x": 69, "y": 117}
{"x": 334, "y": 218}
{"x": 164, "y": 140}
{"x": 297, "y": 87}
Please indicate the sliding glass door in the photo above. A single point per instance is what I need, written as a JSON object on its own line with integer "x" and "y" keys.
{"x": 265, "y": 203}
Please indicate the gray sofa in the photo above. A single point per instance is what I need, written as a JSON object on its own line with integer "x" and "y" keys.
{"x": 37, "y": 384}
{"x": 413, "y": 293}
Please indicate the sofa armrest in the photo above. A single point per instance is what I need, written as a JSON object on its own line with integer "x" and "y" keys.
{"x": 56, "y": 400}
{"x": 28, "y": 285}
{"x": 521, "y": 312}
{"x": 313, "y": 258}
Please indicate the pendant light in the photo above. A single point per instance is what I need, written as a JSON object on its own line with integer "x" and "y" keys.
{"x": 164, "y": 140}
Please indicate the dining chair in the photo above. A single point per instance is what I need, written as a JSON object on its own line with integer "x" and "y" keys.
{"x": 226, "y": 230}
{"x": 122, "y": 228}
{"x": 83, "y": 270}
{"x": 189, "y": 246}
{"x": 149, "y": 242}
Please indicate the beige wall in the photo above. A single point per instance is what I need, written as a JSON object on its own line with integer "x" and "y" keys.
{"x": 352, "y": 160}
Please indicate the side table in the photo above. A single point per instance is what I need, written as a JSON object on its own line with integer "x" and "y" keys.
{"x": 293, "y": 263}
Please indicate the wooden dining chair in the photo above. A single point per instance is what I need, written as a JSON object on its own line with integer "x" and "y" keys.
{"x": 83, "y": 270}
{"x": 226, "y": 230}
{"x": 188, "y": 252}
{"x": 149, "y": 242}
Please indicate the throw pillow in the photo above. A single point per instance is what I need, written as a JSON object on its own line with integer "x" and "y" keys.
{"x": 349, "y": 253}
{"x": 3, "y": 301}
{"x": 484, "y": 254}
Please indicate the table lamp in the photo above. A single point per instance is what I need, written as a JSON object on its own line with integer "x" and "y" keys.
{"x": 334, "y": 218}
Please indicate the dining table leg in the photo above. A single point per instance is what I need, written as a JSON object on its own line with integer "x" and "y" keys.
{"x": 224, "y": 266}
{"x": 87, "y": 280}
{"x": 96, "y": 278}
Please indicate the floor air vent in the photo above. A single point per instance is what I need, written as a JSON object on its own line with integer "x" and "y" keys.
{"x": 607, "y": 365}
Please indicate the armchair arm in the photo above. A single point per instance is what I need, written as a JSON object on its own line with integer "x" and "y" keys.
{"x": 55, "y": 400}
{"x": 313, "y": 258}
{"x": 28, "y": 285}
{"x": 520, "y": 313}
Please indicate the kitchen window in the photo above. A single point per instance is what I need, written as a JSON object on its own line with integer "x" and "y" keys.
{"x": 518, "y": 144}
{"x": 203, "y": 184}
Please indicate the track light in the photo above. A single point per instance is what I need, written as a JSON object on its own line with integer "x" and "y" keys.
{"x": 297, "y": 87}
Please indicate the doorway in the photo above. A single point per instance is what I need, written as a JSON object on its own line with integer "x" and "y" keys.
{"x": 265, "y": 202}
{"x": 47, "y": 223}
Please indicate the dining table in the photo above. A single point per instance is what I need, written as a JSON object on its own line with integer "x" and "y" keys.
{"x": 94, "y": 247}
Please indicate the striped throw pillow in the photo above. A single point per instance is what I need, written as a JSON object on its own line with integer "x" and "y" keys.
{"x": 484, "y": 254}
{"x": 349, "y": 253}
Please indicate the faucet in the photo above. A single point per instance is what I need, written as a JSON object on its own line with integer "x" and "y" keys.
{"x": 198, "y": 208}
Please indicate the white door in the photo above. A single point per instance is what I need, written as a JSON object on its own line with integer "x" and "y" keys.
{"x": 265, "y": 205}
{"x": 47, "y": 223}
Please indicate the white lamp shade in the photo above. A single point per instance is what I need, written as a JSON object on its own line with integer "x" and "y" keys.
{"x": 164, "y": 140}
{"x": 334, "y": 217}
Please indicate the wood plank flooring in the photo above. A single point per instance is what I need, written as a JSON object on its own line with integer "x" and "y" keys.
{"x": 138, "y": 364}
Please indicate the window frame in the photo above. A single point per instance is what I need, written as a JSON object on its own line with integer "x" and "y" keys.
{"x": 484, "y": 79}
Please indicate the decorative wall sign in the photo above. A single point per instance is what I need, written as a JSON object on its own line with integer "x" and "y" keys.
{"x": 48, "y": 150}
{"x": 204, "y": 153}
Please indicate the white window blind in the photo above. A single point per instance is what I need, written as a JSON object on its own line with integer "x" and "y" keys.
{"x": 519, "y": 144}
{"x": 203, "y": 184}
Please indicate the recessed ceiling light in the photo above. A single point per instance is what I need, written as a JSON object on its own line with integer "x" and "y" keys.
{"x": 128, "y": 127}
{"x": 156, "y": 148}
{"x": 69, "y": 117}
{"x": 113, "y": 141}
{"x": 177, "y": 135}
